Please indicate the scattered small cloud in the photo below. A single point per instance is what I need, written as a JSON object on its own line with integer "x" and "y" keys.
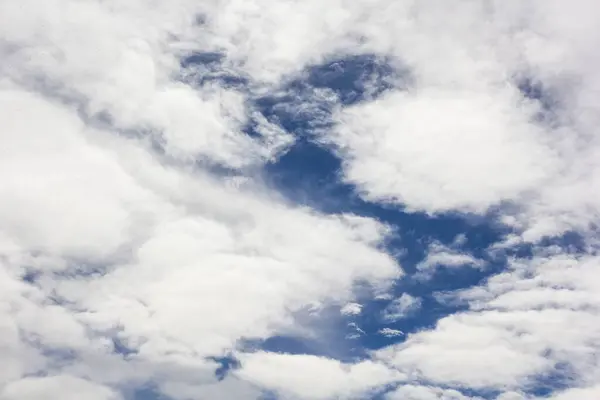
{"x": 389, "y": 332}
{"x": 449, "y": 257}
{"x": 400, "y": 308}
{"x": 351, "y": 309}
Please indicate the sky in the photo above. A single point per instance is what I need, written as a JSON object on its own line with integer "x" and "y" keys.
{"x": 299, "y": 200}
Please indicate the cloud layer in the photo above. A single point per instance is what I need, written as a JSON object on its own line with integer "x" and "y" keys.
{"x": 140, "y": 243}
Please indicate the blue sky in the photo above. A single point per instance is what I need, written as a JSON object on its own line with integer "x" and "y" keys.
{"x": 299, "y": 200}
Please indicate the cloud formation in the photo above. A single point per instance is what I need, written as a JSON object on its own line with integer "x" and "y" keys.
{"x": 139, "y": 243}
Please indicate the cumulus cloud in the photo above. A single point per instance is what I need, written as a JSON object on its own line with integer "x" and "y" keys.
{"x": 301, "y": 376}
{"x": 493, "y": 115}
{"x": 439, "y": 149}
{"x": 491, "y": 354}
{"x": 538, "y": 318}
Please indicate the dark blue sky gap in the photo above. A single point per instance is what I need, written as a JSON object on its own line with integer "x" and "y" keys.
{"x": 560, "y": 378}
{"x": 148, "y": 392}
{"x": 537, "y": 91}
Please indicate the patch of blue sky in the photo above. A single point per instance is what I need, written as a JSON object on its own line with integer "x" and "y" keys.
{"x": 537, "y": 91}
{"x": 121, "y": 348}
{"x": 148, "y": 392}
{"x": 561, "y": 377}
{"x": 226, "y": 364}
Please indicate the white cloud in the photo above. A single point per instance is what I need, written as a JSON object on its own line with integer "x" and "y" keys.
{"x": 412, "y": 392}
{"x": 512, "y": 396}
{"x": 119, "y": 60}
{"x": 52, "y": 387}
{"x": 438, "y": 149}
{"x": 522, "y": 324}
{"x": 389, "y": 332}
{"x": 401, "y": 307}
{"x": 351, "y": 309}
{"x": 553, "y": 299}
{"x": 442, "y": 256}
{"x": 54, "y": 176}
{"x": 491, "y": 355}
{"x": 302, "y": 376}
{"x": 590, "y": 393}
{"x": 355, "y": 331}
